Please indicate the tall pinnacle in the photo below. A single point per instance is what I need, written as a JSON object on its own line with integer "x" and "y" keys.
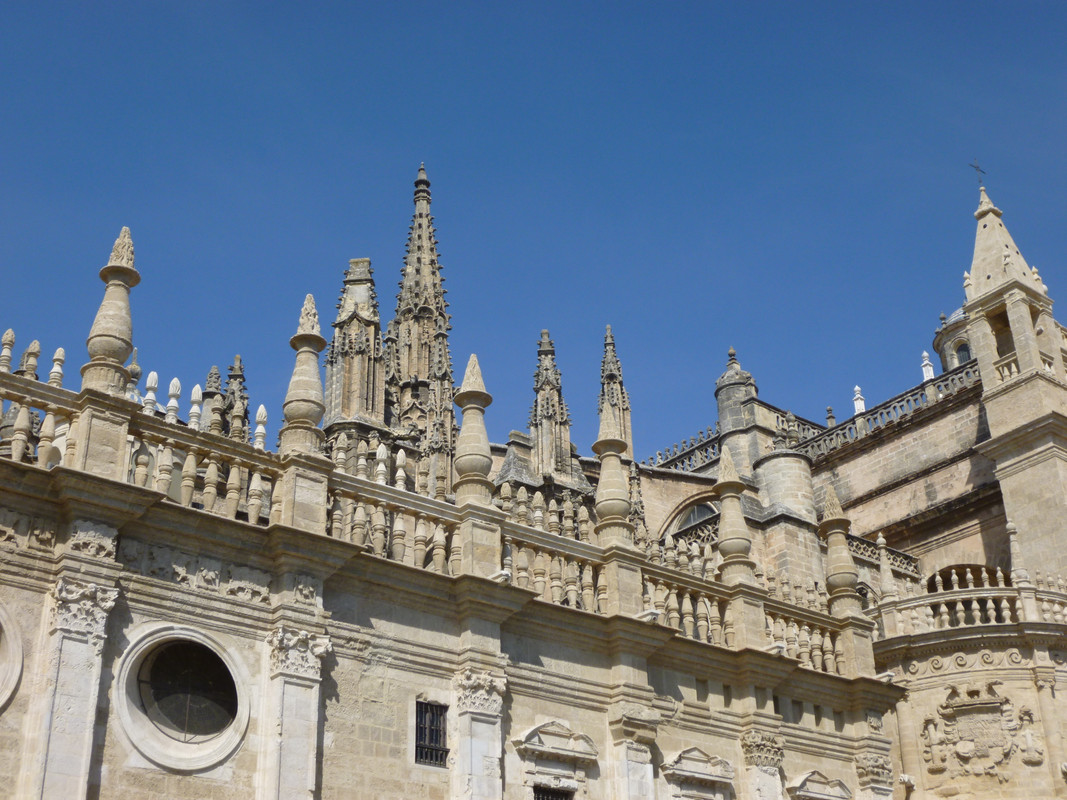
{"x": 997, "y": 259}
{"x": 421, "y": 282}
{"x": 614, "y": 401}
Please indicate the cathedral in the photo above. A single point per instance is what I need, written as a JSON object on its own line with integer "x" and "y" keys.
{"x": 390, "y": 605}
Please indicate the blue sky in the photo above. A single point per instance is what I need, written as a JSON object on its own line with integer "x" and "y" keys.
{"x": 788, "y": 179}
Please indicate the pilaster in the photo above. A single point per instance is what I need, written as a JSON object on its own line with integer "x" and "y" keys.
{"x": 292, "y": 713}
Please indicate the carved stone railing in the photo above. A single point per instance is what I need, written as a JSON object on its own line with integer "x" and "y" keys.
{"x": 892, "y": 411}
{"x": 563, "y": 571}
{"x": 808, "y": 635}
{"x": 866, "y": 550}
{"x": 693, "y": 606}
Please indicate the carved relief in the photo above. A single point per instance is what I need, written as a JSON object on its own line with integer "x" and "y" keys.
{"x": 976, "y": 732}
{"x": 94, "y": 539}
{"x": 81, "y": 609}
{"x": 20, "y": 530}
{"x": 295, "y": 652}
{"x": 197, "y": 572}
{"x": 302, "y": 589}
{"x": 965, "y": 661}
{"x": 874, "y": 769}
{"x": 874, "y": 721}
{"x": 479, "y": 692}
{"x": 762, "y": 749}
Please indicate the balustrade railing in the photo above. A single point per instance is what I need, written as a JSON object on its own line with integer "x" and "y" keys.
{"x": 893, "y": 410}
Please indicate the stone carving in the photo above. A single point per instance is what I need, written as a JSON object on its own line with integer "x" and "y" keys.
{"x": 762, "y": 749}
{"x": 13, "y": 527}
{"x": 309, "y": 318}
{"x": 965, "y": 661}
{"x": 693, "y": 773}
{"x": 976, "y": 732}
{"x": 81, "y": 609}
{"x": 554, "y": 741}
{"x": 874, "y": 720}
{"x": 94, "y": 539}
{"x": 122, "y": 252}
{"x": 198, "y": 572}
{"x": 296, "y": 652}
{"x": 479, "y": 692}
{"x": 303, "y": 589}
{"x": 874, "y": 769}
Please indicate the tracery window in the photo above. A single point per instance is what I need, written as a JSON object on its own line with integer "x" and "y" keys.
{"x": 187, "y": 691}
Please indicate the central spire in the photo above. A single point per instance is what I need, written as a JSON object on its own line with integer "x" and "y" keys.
{"x": 418, "y": 365}
{"x": 997, "y": 260}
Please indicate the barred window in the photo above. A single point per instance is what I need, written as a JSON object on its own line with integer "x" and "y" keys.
{"x": 431, "y": 743}
{"x": 544, "y": 793}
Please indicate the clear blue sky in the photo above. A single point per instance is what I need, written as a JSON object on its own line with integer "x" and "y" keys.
{"x": 790, "y": 179}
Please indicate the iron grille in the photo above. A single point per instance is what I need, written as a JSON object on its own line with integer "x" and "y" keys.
{"x": 431, "y": 743}
{"x": 544, "y": 793}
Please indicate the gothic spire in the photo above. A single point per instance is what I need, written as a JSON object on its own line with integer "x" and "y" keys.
{"x": 614, "y": 398}
{"x": 997, "y": 260}
{"x": 420, "y": 284}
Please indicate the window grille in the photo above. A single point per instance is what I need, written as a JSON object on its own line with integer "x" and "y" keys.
{"x": 431, "y": 743}
{"x": 544, "y": 793}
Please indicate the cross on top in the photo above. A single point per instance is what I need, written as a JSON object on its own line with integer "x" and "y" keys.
{"x": 978, "y": 171}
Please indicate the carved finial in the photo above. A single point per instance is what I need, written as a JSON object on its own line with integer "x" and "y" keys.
{"x": 309, "y": 318}
{"x": 832, "y": 505}
{"x": 55, "y": 376}
{"x": 927, "y": 367}
{"x": 134, "y": 368}
{"x": 174, "y": 393}
{"x": 859, "y": 405}
{"x": 731, "y": 356}
{"x": 259, "y": 437}
{"x": 122, "y": 252}
{"x": 472, "y": 378}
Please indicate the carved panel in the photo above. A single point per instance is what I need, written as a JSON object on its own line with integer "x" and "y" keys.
{"x": 198, "y": 572}
{"x": 556, "y": 757}
{"x": 694, "y": 775}
{"x": 19, "y": 530}
{"x": 762, "y": 749}
{"x": 94, "y": 539}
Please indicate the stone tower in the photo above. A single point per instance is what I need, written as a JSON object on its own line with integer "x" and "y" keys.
{"x": 1019, "y": 349}
{"x": 614, "y": 399}
{"x": 418, "y": 366}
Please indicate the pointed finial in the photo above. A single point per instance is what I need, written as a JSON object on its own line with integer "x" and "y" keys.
{"x": 985, "y": 205}
{"x": 259, "y": 438}
{"x": 55, "y": 377}
{"x": 859, "y": 405}
{"x": 832, "y": 505}
{"x": 309, "y": 318}
{"x": 174, "y": 393}
{"x": 927, "y": 367}
{"x": 122, "y": 252}
{"x": 472, "y": 378}
{"x": 134, "y": 368}
{"x": 731, "y": 356}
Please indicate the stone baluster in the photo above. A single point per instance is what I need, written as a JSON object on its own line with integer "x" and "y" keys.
{"x": 7, "y": 343}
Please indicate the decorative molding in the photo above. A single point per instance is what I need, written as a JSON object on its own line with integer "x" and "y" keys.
{"x": 481, "y": 692}
{"x": 81, "y": 609}
{"x": 816, "y": 786}
{"x": 554, "y": 741}
{"x": 762, "y": 749}
{"x": 21, "y": 530}
{"x": 693, "y": 773}
{"x": 297, "y": 653}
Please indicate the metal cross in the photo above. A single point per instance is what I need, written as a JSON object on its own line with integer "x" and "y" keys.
{"x": 978, "y": 171}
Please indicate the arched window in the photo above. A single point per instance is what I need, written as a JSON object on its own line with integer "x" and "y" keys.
{"x": 963, "y": 353}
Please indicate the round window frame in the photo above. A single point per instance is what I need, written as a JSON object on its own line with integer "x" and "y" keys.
{"x": 146, "y": 736}
{"x": 10, "y": 656}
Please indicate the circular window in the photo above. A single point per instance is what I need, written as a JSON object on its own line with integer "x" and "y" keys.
{"x": 184, "y": 702}
{"x": 187, "y": 691}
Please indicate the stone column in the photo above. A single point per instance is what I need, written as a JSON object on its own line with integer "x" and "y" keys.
{"x": 763, "y": 754}
{"x": 479, "y": 707}
{"x": 58, "y": 737}
{"x": 1045, "y": 680}
{"x": 983, "y": 348}
{"x": 292, "y": 720}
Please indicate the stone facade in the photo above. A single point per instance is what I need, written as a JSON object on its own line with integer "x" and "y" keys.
{"x": 389, "y": 605}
